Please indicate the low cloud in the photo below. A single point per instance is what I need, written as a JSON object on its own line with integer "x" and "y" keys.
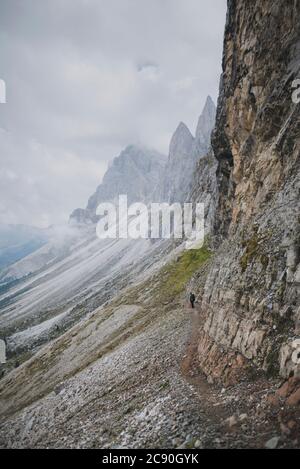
{"x": 87, "y": 77}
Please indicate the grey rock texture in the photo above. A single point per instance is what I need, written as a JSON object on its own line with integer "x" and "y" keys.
{"x": 205, "y": 127}
{"x": 134, "y": 173}
{"x": 184, "y": 154}
{"x": 117, "y": 376}
{"x": 251, "y": 295}
{"x": 180, "y": 166}
{"x": 205, "y": 188}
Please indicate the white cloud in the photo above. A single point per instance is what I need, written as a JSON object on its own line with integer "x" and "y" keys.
{"x": 41, "y": 184}
{"x": 87, "y": 77}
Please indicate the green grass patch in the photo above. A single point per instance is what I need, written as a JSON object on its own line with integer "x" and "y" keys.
{"x": 175, "y": 276}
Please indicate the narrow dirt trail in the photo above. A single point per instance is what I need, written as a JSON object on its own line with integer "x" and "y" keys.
{"x": 246, "y": 399}
{"x": 207, "y": 393}
{"x": 145, "y": 392}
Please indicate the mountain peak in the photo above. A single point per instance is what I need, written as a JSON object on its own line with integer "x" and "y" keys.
{"x": 135, "y": 172}
{"x": 209, "y": 107}
{"x": 134, "y": 148}
{"x": 182, "y": 128}
{"x": 182, "y": 141}
{"x": 206, "y": 123}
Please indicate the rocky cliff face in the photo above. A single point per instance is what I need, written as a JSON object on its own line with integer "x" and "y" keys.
{"x": 205, "y": 188}
{"x": 135, "y": 172}
{"x": 177, "y": 175}
{"x": 251, "y": 295}
{"x": 184, "y": 154}
{"x": 115, "y": 379}
{"x": 205, "y": 127}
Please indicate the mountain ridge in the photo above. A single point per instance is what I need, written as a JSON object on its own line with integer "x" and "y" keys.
{"x": 133, "y": 173}
{"x": 129, "y": 365}
{"x": 185, "y": 151}
{"x": 150, "y": 176}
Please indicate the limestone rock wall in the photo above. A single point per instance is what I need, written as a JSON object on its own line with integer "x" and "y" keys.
{"x": 251, "y": 295}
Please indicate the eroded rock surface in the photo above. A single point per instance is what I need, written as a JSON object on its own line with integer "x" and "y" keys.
{"x": 251, "y": 295}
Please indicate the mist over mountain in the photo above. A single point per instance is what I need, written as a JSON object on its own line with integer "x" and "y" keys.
{"x": 18, "y": 241}
{"x": 145, "y": 175}
{"x": 134, "y": 173}
{"x": 106, "y": 347}
{"x": 206, "y": 124}
{"x": 184, "y": 153}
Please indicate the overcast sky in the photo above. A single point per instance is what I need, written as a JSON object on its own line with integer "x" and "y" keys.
{"x": 84, "y": 79}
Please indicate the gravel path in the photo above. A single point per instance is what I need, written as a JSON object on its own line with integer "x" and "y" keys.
{"x": 146, "y": 393}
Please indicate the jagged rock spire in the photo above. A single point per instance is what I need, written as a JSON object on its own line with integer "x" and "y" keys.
{"x": 206, "y": 124}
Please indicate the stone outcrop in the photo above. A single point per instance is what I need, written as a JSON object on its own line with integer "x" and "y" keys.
{"x": 134, "y": 173}
{"x": 180, "y": 166}
{"x": 205, "y": 127}
{"x": 184, "y": 154}
{"x": 205, "y": 189}
{"x": 251, "y": 295}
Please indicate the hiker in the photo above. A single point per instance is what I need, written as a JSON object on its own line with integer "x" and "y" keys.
{"x": 192, "y": 300}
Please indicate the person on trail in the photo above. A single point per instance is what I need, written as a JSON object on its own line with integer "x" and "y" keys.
{"x": 192, "y": 300}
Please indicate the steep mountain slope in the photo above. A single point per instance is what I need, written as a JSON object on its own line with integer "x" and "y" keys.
{"x": 251, "y": 294}
{"x": 205, "y": 189}
{"x": 47, "y": 292}
{"x": 135, "y": 173}
{"x": 86, "y": 275}
{"x": 103, "y": 302}
{"x": 126, "y": 375}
